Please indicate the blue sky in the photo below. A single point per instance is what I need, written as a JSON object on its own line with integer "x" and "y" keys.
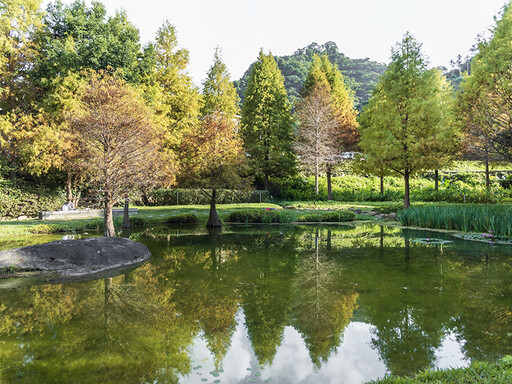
{"x": 364, "y": 28}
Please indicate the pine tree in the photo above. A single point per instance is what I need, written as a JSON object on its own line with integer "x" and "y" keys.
{"x": 406, "y": 126}
{"x": 267, "y": 122}
{"x": 219, "y": 93}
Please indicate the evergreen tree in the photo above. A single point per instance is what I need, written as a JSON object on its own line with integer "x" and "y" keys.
{"x": 267, "y": 122}
{"x": 406, "y": 126}
{"x": 180, "y": 98}
{"x": 219, "y": 93}
{"x": 485, "y": 101}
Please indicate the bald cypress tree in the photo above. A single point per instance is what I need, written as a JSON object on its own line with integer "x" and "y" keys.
{"x": 219, "y": 93}
{"x": 267, "y": 122}
{"x": 333, "y": 123}
{"x": 406, "y": 127}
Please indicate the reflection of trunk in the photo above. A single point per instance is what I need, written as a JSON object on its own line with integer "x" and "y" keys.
{"x": 329, "y": 240}
{"x": 109, "y": 219}
{"x": 213, "y": 219}
{"x": 407, "y": 248}
{"x": 436, "y": 180}
{"x": 381, "y": 240}
{"x": 317, "y": 268}
{"x": 107, "y": 295}
{"x": 126, "y": 215}
{"x": 407, "y": 200}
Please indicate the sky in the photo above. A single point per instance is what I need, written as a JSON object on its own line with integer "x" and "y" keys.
{"x": 360, "y": 28}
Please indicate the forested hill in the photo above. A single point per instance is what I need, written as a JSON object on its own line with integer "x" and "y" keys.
{"x": 361, "y": 75}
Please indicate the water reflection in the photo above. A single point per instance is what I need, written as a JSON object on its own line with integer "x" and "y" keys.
{"x": 292, "y": 304}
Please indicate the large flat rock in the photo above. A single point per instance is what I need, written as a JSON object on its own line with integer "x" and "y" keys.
{"x": 74, "y": 258}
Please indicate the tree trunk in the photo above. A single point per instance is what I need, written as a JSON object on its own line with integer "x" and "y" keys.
{"x": 213, "y": 219}
{"x": 126, "y": 215}
{"x": 316, "y": 176}
{"x": 487, "y": 178}
{"x": 329, "y": 185}
{"x": 109, "y": 219}
{"x": 69, "y": 191}
{"x": 436, "y": 180}
{"x": 382, "y": 185}
{"x": 407, "y": 200}
{"x": 266, "y": 182}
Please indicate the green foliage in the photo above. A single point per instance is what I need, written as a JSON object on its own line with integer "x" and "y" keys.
{"x": 267, "y": 122}
{"x": 361, "y": 75}
{"x": 259, "y": 217}
{"x": 19, "y": 198}
{"x": 66, "y": 42}
{"x": 328, "y": 217}
{"x": 476, "y": 373}
{"x": 495, "y": 219}
{"x": 219, "y": 93}
{"x": 484, "y": 102}
{"x": 406, "y": 127}
{"x": 182, "y": 219}
{"x": 180, "y": 99}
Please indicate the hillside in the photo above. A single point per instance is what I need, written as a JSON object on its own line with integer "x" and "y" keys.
{"x": 361, "y": 75}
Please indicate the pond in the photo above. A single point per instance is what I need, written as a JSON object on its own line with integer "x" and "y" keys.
{"x": 267, "y": 304}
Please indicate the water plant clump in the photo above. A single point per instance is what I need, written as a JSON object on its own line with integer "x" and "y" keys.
{"x": 492, "y": 220}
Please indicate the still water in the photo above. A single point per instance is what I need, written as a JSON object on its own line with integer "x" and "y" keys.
{"x": 276, "y": 304}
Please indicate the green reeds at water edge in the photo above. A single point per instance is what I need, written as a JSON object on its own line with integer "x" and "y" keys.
{"x": 495, "y": 220}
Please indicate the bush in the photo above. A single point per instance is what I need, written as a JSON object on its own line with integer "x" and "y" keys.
{"x": 329, "y": 217}
{"x": 19, "y": 198}
{"x": 258, "y": 216}
{"x": 182, "y": 219}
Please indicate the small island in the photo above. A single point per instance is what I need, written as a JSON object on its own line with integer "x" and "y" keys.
{"x": 73, "y": 259}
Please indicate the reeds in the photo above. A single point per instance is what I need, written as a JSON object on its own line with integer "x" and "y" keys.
{"x": 491, "y": 219}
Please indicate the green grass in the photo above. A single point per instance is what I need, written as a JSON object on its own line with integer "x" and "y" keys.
{"x": 477, "y": 373}
{"x": 146, "y": 216}
{"x": 491, "y": 219}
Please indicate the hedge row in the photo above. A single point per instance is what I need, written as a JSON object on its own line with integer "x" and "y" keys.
{"x": 161, "y": 197}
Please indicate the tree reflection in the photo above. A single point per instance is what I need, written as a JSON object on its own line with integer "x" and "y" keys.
{"x": 139, "y": 327}
{"x": 324, "y": 301}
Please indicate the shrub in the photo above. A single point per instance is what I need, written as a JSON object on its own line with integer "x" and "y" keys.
{"x": 258, "y": 216}
{"x": 19, "y": 198}
{"x": 182, "y": 219}
{"x": 332, "y": 217}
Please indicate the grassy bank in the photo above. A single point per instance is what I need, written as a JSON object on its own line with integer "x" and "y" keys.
{"x": 477, "y": 373}
{"x": 172, "y": 215}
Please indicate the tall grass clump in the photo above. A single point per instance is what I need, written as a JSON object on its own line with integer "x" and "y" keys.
{"x": 495, "y": 219}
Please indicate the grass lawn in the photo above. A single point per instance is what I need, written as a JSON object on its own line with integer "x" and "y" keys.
{"x": 476, "y": 373}
{"x": 159, "y": 215}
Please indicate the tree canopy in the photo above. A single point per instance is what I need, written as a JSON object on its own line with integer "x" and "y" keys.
{"x": 267, "y": 122}
{"x": 406, "y": 125}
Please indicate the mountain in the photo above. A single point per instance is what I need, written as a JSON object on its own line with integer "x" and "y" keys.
{"x": 361, "y": 75}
